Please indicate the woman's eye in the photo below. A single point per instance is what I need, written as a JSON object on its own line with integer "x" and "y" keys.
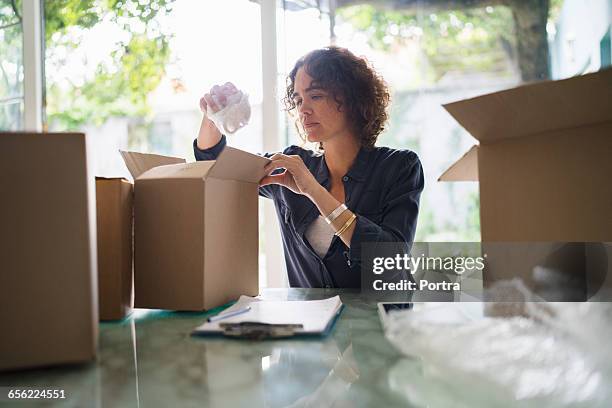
{"x": 315, "y": 97}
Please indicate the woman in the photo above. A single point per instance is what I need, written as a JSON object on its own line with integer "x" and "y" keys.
{"x": 330, "y": 203}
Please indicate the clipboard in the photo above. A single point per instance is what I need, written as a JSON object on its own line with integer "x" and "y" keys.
{"x": 275, "y": 319}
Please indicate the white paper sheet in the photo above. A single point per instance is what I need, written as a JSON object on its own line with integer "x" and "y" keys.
{"x": 314, "y": 315}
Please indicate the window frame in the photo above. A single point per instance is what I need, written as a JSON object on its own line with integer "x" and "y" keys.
{"x": 32, "y": 65}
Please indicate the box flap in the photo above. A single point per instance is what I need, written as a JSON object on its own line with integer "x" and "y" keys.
{"x": 537, "y": 108}
{"x": 138, "y": 163}
{"x": 464, "y": 169}
{"x": 235, "y": 164}
{"x": 197, "y": 170}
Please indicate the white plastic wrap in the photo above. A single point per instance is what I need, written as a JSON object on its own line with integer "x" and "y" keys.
{"x": 553, "y": 354}
{"x": 235, "y": 112}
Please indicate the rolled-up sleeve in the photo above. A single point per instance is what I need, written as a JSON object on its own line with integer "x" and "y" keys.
{"x": 399, "y": 216}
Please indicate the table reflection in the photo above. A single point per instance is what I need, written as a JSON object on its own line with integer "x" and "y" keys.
{"x": 150, "y": 360}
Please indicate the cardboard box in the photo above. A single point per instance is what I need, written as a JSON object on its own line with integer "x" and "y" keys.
{"x": 196, "y": 229}
{"x": 48, "y": 285}
{"x": 544, "y": 167}
{"x": 114, "y": 207}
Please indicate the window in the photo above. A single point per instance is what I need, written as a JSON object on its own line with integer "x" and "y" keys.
{"x": 302, "y": 28}
{"x": 431, "y": 56}
{"x": 131, "y": 73}
{"x": 432, "y": 53}
{"x": 11, "y": 66}
{"x": 579, "y": 37}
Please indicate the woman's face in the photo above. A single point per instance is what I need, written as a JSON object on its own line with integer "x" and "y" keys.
{"x": 318, "y": 111}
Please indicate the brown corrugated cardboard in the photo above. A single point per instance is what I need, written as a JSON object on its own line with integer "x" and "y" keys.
{"x": 138, "y": 163}
{"x": 114, "y": 199}
{"x": 196, "y": 231}
{"x": 464, "y": 169}
{"x": 48, "y": 285}
{"x": 543, "y": 162}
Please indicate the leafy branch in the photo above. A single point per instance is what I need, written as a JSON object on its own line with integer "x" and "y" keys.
{"x": 120, "y": 87}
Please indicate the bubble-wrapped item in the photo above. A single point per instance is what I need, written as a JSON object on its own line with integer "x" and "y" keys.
{"x": 547, "y": 355}
{"x": 234, "y": 114}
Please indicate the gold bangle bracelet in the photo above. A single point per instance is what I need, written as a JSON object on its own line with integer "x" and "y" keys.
{"x": 346, "y": 226}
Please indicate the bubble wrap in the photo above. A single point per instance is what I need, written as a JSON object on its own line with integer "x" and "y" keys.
{"x": 551, "y": 354}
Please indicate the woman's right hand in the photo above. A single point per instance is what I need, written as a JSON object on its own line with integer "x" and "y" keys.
{"x": 217, "y": 97}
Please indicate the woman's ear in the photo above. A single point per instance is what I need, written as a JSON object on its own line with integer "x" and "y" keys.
{"x": 339, "y": 103}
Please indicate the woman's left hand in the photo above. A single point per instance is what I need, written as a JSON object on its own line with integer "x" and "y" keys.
{"x": 296, "y": 176}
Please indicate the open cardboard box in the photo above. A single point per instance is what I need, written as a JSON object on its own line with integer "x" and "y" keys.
{"x": 544, "y": 164}
{"x": 115, "y": 219}
{"x": 196, "y": 229}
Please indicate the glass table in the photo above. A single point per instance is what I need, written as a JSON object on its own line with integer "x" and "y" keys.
{"x": 151, "y": 360}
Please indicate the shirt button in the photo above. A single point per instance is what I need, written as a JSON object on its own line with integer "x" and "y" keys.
{"x": 345, "y": 178}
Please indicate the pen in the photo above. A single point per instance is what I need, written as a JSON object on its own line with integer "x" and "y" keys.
{"x": 228, "y": 314}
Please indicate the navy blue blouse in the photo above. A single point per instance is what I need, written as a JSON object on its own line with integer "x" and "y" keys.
{"x": 382, "y": 188}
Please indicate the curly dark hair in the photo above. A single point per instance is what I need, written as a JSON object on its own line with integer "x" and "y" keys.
{"x": 353, "y": 83}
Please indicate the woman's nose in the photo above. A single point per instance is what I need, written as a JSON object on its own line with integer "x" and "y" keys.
{"x": 304, "y": 108}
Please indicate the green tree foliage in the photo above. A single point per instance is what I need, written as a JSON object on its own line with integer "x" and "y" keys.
{"x": 555, "y": 9}
{"x": 10, "y": 12}
{"x": 469, "y": 39}
{"x": 119, "y": 86}
{"x": 457, "y": 38}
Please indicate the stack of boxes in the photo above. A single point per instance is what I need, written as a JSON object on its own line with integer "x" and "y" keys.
{"x": 195, "y": 228}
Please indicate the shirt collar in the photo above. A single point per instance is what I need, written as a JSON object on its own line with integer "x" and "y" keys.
{"x": 357, "y": 171}
{"x": 360, "y": 166}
